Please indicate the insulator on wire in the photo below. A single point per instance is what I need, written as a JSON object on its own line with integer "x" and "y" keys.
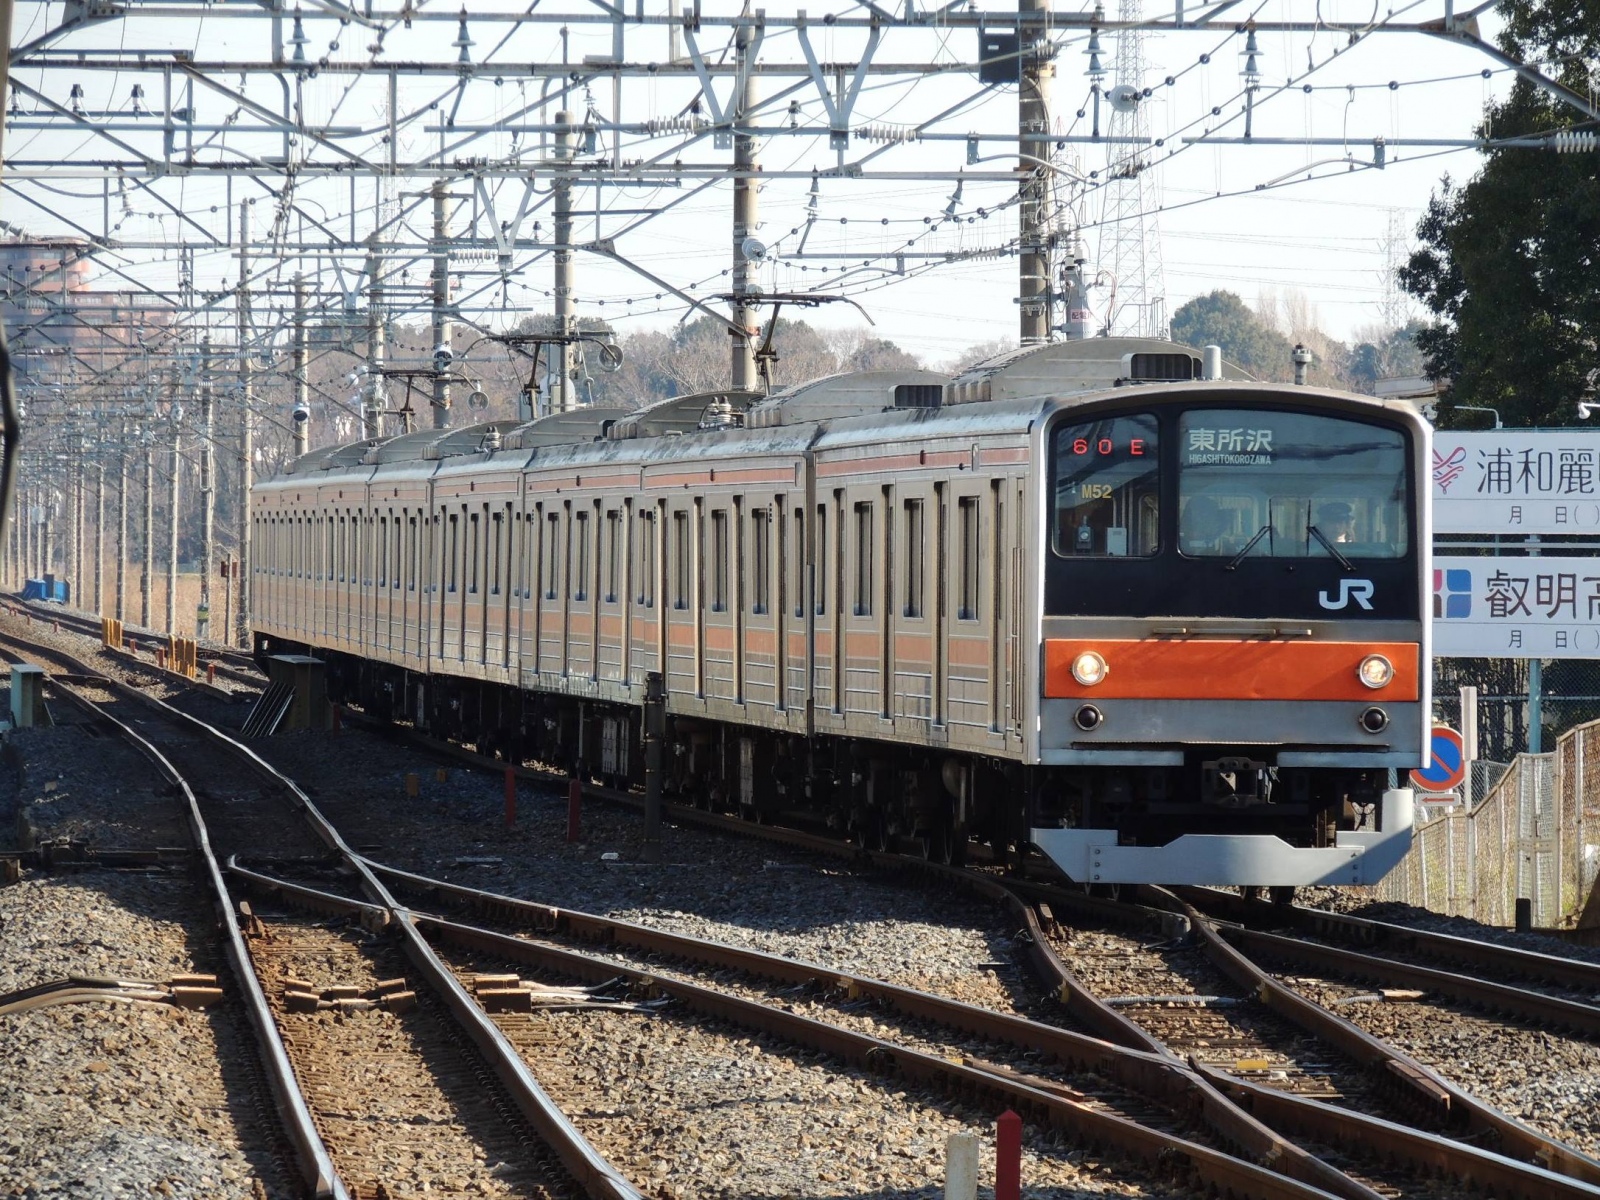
{"x": 658, "y": 125}
{"x": 888, "y": 133}
{"x": 1575, "y": 141}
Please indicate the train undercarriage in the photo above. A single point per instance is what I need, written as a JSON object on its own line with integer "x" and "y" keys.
{"x": 882, "y": 795}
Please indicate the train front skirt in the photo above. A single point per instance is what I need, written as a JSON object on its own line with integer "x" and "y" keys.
{"x": 1356, "y": 858}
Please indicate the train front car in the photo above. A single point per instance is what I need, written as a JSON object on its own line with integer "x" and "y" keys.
{"x": 1234, "y": 635}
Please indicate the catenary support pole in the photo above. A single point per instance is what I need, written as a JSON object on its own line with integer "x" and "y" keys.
{"x": 148, "y": 557}
{"x": 241, "y": 634}
{"x": 208, "y": 491}
{"x": 561, "y": 391}
{"x": 174, "y": 522}
{"x": 745, "y": 212}
{"x": 75, "y": 467}
{"x": 374, "y": 398}
{"x": 300, "y": 418}
{"x": 1033, "y": 211}
{"x": 443, "y": 332}
{"x": 99, "y": 529}
{"x": 120, "y": 602}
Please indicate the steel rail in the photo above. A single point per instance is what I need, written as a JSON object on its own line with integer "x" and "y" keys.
{"x": 1450, "y": 1102}
{"x": 593, "y": 1172}
{"x": 1440, "y": 1098}
{"x": 313, "y": 1161}
{"x": 1228, "y": 1174}
{"x": 236, "y": 664}
{"x": 1151, "y": 1073}
{"x": 1496, "y": 997}
{"x": 1388, "y": 939}
{"x": 1137, "y": 1070}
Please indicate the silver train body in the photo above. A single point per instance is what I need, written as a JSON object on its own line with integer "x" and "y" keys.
{"x": 1164, "y": 630}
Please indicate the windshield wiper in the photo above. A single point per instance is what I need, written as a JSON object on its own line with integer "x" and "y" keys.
{"x": 1238, "y": 558}
{"x": 1330, "y": 548}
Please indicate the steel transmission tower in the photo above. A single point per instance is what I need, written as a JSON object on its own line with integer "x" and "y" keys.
{"x": 1130, "y": 241}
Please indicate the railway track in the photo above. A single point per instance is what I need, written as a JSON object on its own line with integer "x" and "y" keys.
{"x": 743, "y": 988}
{"x": 1419, "y": 1145}
{"x": 235, "y": 665}
{"x": 347, "y": 1061}
{"x": 1411, "y": 957}
{"x": 1330, "y": 1129}
{"x": 1288, "y": 1058}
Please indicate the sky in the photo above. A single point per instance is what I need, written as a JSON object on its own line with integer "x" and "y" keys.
{"x": 1245, "y": 218}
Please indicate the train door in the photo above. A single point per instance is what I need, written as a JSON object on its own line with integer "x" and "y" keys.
{"x": 657, "y": 576}
{"x": 681, "y": 637}
{"x": 506, "y": 580}
{"x": 629, "y": 532}
{"x": 912, "y": 656}
{"x": 609, "y": 600}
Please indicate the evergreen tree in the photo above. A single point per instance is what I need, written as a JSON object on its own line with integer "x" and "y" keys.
{"x": 1508, "y": 261}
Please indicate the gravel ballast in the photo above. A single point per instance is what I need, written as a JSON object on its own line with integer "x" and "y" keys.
{"x": 111, "y": 1100}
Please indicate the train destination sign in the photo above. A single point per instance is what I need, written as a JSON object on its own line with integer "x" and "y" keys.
{"x": 1516, "y": 607}
{"x": 1517, "y": 481}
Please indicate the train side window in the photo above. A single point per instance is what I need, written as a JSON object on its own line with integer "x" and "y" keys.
{"x": 798, "y": 552}
{"x": 863, "y": 602}
{"x": 499, "y": 524}
{"x": 822, "y": 559}
{"x": 1106, "y": 483}
{"x": 914, "y": 558}
{"x": 967, "y": 607}
{"x": 680, "y": 550}
{"x": 450, "y": 550}
{"x": 613, "y": 552}
{"x": 552, "y": 555}
{"x": 647, "y": 560}
{"x": 760, "y": 558}
{"x": 383, "y": 551}
{"x": 411, "y": 576}
{"x": 580, "y": 556}
{"x": 719, "y": 560}
{"x": 475, "y": 530}
{"x": 395, "y": 561}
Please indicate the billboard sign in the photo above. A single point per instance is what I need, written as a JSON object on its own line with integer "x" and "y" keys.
{"x": 1514, "y": 481}
{"x": 1516, "y": 607}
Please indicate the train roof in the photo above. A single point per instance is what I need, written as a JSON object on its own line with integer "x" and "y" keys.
{"x": 1083, "y": 368}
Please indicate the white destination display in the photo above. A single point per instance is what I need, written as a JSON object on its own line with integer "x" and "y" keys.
{"x": 1516, "y": 607}
{"x": 1517, "y": 481}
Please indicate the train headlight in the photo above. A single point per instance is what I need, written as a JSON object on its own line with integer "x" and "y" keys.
{"x": 1376, "y": 671}
{"x": 1089, "y": 668}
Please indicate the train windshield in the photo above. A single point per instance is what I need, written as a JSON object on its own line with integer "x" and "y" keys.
{"x": 1253, "y": 483}
{"x": 1107, "y": 481}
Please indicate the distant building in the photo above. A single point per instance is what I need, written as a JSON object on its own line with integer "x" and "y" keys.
{"x": 53, "y": 315}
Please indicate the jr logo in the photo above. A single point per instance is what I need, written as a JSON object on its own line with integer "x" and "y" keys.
{"x": 1359, "y": 590}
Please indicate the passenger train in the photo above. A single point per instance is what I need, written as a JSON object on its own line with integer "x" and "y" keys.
{"x": 1079, "y": 598}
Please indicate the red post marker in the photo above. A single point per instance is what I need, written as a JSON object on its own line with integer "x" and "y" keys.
{"x": 574, "y": 808}
{"x": 511, "y": 797}
{"x": 211, "y": 673}
{"x": 1008, "y": 1157}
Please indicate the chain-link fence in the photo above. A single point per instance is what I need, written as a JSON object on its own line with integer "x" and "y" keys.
{"x": 1530, "y": 831}
{"x": 1569, "y": 697}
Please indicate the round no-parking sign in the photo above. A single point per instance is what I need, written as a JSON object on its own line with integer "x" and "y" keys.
{"x": 1447, "y": 765}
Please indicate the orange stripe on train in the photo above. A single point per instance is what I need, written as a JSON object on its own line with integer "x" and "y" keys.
{"x": 1206, "y": 669}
